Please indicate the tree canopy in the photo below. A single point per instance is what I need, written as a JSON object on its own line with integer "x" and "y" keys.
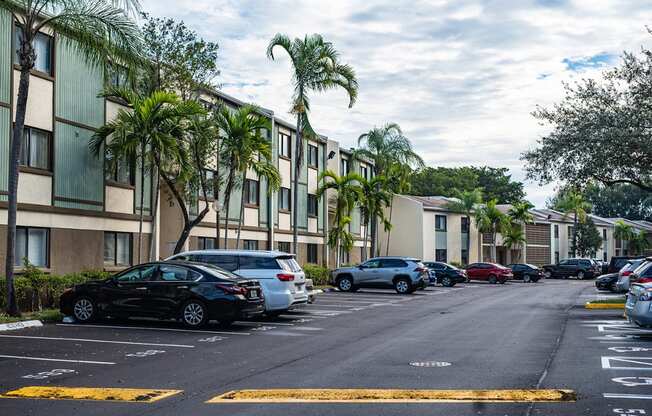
{"x": 589, "y": 239}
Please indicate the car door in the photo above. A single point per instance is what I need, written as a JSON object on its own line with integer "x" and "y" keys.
{"x": 127, "y": 293}
{"x": 172, "y": 287}
{"x": 570, "y": 268}
{"x": 388, "y": 269}
{"x": 517, "y": 270}
{"x": 473, "y": 270}
{"x": 367, "y": 273}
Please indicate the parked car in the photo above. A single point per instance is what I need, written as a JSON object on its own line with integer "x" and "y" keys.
{"x": 489, "y": 272}
{"x": 580, "y": 268}
{"x": 280, "y": 276}
{"x": 618, "y": 262}
{"x": 526, "y": 272}
{"x": 444, "y": 273}
{"x": 404, "y": 274}
{"x": 625, "y": 274}
{"x": 638, "y": 308}
{"x": 604, "y": 266}
{"x": 190, "y": 292}
{"x": 608, "y": 282}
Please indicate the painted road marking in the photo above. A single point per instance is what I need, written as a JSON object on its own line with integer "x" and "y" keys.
{"x": 262, "y": 323}
{"x": 18, "y": 357}
{"x": 630, "y": 349}
{"x": 307, "y": 328}
{"x": 52, "y": 373}
{"x": 195, "y": 331}
{"x": 645, "y": 362}
{"x": 99, "y": 341}
{"x": 392, "y": 396}
{"x": 212, "y": 339}
{"x": 142, "y": 354}
{"x": 633, "y": 381}
{"x": 90, "y": 393}
{"x": 626, "y": 396}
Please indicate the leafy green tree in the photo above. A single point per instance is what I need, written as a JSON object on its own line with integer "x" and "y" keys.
{"x": 315, "y": 68}
{"x": 348, "y": 194}
{"x": 162, "y": 129}
{"x": 639, "y": 243}
{"x": 100, "y": 31}
{"x": 375, "y": 198}
{"x": 465, "y": 204}
{"x": 589, "y": 239}
{"x": 490, "y": 220}
{"x": 386, "y": 146}
{"x": 600, "y": 131}
{"x": 573, "y": 203}
{"x": 243, "y": 147}
{"x": 623, "y": 231}
{"x": 514, "y": 238}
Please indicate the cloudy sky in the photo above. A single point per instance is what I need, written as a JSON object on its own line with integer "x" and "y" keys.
{"x": 461, "y": 77}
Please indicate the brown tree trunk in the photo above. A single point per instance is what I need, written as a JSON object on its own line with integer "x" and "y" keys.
{"x": 240, "y": 219}
{"x": 227, "y": 204}
{"x": 142, "y": 200}
{"x": 389, "y": 232}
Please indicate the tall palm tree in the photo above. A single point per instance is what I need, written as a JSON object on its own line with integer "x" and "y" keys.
{"x": 398, "y": 178}
{"x": 100, "y": 31}
{"x": 348, "y": 194}
{"x": 375, "y": 198}
{"x": 490, "y": 220}
{"x": 465, "y": 204}
{"x": 386, "y": 146}
{"x": 315, "y": 68}
{"x": 639, "y": 243}
{"x": 573, "y": 202}
{"x": 520, "y": 215}
{"x": 242, "y": 146}
{"x": 624, "y": 232}
{"x": 155, "y": 130}
{"x": 514, "y": 238}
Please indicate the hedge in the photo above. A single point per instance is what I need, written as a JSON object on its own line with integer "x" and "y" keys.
{"x": 318, "y": 274}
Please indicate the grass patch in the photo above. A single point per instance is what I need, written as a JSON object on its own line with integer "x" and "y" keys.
{"x": 46, "y": 315}
{"x": 609, "y": 301}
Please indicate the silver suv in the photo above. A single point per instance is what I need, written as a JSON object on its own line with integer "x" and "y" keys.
{"x": 404, "y": 274}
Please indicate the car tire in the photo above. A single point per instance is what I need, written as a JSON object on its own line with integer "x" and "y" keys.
{"x": 84, "y": 309}
{"x": 194, "y": 314}
{"x": 547, "y": 274}
{"x": 492, "y": 279}
{"x": 345, "y": 284}
{"x": 527, "y": 278}
{"x": 502, "y": 281}
{"x": 614, "y": 288}
{"x": 403, "y": 286}
{"x": 447, "y": 282}
{"x": 580, "y": 275}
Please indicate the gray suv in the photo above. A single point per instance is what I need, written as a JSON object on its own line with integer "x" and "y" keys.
{"x": 404, "y": 274}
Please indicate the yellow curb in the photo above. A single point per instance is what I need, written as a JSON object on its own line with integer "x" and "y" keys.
{"x": 90, "y": 393}
{"x": 589, "y": 305}
{"x": 392, "y": 396}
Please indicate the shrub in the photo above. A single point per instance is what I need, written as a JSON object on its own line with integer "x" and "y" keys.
{"x": 318, "y": 274}
{"x": 457, "y": 264}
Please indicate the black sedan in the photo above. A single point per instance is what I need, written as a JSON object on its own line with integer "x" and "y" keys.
{"x": 193, "y": 293}
{"x": 526, "y": 272}
{"x": 445, "y": 274}
{"x": 607, "y": 282}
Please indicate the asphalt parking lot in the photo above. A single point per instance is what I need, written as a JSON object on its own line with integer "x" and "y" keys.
{"x": 523, "y": 337}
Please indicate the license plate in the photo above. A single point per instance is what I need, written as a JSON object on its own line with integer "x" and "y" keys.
{"x": 253, "y": 294}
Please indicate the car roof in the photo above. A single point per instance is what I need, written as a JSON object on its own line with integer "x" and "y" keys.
{"x": 228, "y": 252}
{"x": 407, "y": 258}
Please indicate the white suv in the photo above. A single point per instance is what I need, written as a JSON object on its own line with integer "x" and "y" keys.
{"x": 280, "y": 276}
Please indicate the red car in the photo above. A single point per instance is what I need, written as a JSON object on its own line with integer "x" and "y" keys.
{"x": 489, "y": 272}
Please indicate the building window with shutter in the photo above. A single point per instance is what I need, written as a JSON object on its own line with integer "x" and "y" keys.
{"x": 251, "y": 190}
{"x": 35, "y": 149}
{"x": 312, "y": 253}
{"x": 250, "y": 244}
{"x": 313, "y": 205}
{"x": 34, "y": 245}
{"x": 284, "y": 200}
{"x": 284, "y": 145}
{"x": 117, "y": 249}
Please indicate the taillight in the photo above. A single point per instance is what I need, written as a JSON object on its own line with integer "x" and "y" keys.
{"x": 420, "y": 269}
{"x": 232, "y": 289}
{"x": 627, "y": 272}
{"x": 285, "y": 277}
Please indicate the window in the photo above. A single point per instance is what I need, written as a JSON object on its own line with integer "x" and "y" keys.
{"x": 312, "y": 253}
{"x": 604, "y": 233}
{"x": 117, "y": 249}
{"x": 313, "y": 206}
{"x": 284, "y": 199}
{"x": 205, "y": 243}
{"x": 285, "y": 145}
{"x": 284, "y": 246}
{"x": 32, "y": 243}
{"x": 392, "y": 263}
{"x": 556, "y": 231}
{"x": 35, "y": 149}
{"x": 570, "y": 232}
{"x": 250, "y": 244}
{"x": 465, "y": 225}
{"x": 251, "y": 192}
{"x": 604, "y": 256}
{"x": 440, "y": 223}
{"x": 556, "y": 257}
{"x": 313, "y": 156}
{"x": 258, "y": 263}
{"x": 372, "y": 264}
{"x": 364, "y": 171}
{"x": 210, "y": 183}
{"x": 229, "y": 263}
{"x": 138, "y": 274}
{"x": 120, "y": 171}
{"x": 344, "y": 167}
{"x": 465, "y": 256}
{"x": 440, "y": 254}
{"x": 344, "y": 256}
{"x": 42, "y": 48}
{"x": 118, "y": 76}
{"x": 168, "y": 273}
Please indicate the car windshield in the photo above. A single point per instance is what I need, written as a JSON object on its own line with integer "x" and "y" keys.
{"x": 288, "y": 264}
{"x": 642, "y": 267}
{"x": 531, "y": 266}
{"x": 631, "y": 265}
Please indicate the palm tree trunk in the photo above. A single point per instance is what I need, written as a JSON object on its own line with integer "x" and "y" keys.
{"x": 240, "y": 219}
{"x": 227, "y": 205}
{"x": 12, "y": 201}
{"x": 574, "y": 234}
{"x": 154, "y": 214}
{"x": 364, "y": 242}
{"x": 142, "y": 200}
{"x": 493, "y": 247}
{"x": 389, "y": 232}
{"x": 468, "y": 239}
{"x": 298, "y": 157}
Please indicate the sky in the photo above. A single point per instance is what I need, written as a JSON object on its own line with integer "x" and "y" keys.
{"x": 461, "y": 77}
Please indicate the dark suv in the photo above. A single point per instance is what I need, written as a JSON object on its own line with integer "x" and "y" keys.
{"x": 445, "y": 274}
{"x": 580, "y": 268}
{"x": 618, "y": 262}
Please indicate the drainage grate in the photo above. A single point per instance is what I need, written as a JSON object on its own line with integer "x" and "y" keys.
{"x": 430, "y": 364}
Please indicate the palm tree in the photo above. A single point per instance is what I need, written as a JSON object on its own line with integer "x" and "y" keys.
{"x": 159, "y": 130}
{"x": 465, "y": 203}
{"x": 573, "y": 202}
{"x": 490, "y": 220}
{"x": 375, "y": 198}
{"x": 242, "y": 146}
{"x": 398, "y": 178}
{"x": 386, "y": 146}
{"x": 624, "y": 232}
{"x": 315, "y": 68}
{"x": 348, "y": 194}
{"x": 520, "y": 215}
{"x": 639, "y": 243}
{"x": 100, "y": 31}
{"x": 514, "y": 237}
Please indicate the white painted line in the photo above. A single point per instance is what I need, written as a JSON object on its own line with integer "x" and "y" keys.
{"x": 195, "y": 331}
{"x": 334, "y": 305}
{"x": 262, "y": 323}
{"x": 324, "y": 311}
{"x": 18, "y": 357}
{"x": 641, "y": 361}
{"x": 307, "y": 328}
{"x": 12, "y": 326}
{"x": 342, "y": 301}
{"x": 626, "y": 396}
{"x": 98, "y": 341}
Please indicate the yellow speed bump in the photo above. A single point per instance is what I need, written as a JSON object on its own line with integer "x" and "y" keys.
{"x": 593, "y": 305}
{"x": 90, "y": 393}
{"x": 392, "y": 396}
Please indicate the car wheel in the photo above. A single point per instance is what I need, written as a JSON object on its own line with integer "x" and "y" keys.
{"x": 547, "y": 274}
{"x": 614, "y": 287}
{"x": 527, "y": 278}
{"x": 492, "y": 280}
{"x": 194, "y": 314}
{"x": 84, "y": 309}
{"x": 403, "y": 286}
{"x": 580, "y": 275}
{"x": 502, "y": 281}
{"x": 345, "y": 284}
{"x": 447, "y": 282}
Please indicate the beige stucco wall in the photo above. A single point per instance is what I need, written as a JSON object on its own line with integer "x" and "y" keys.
{"x": 39, "y": 102}
{"x": 251, "y": 217}
{"x": 406, "y": 237}
{"x": 284, "y": 221}
{"x": 34, "y": 189}
{"x": 312, "y": 225}
{"x": 74, "y": 222}
{"x": 312, "y": 181}
{"x": 119, "y": 199}
{"x": 285, "y": 170}
{"x": 112, "y": 109}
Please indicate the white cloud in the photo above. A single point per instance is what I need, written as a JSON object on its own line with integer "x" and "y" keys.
{"x": 460, "y": 76}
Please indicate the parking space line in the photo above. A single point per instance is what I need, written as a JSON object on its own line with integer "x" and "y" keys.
{"x": 91, "y": 393}
{"x": 263, "y": 323}
{"x": 103, "y": 341}
{"x": 18, "y": 357}
{"x": 626, "y": 396}
{"x": 196, "y": 331}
